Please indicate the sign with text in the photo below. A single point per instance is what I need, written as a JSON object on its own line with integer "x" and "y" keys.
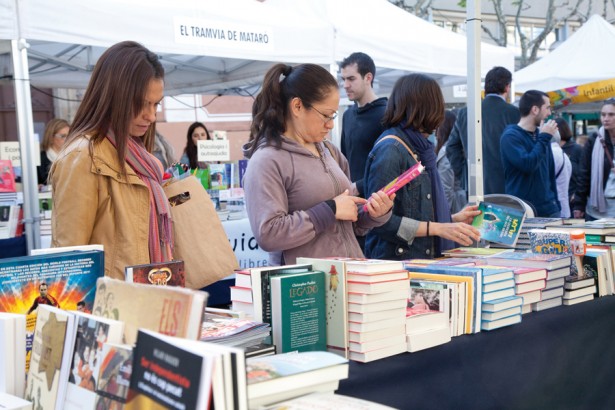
{"x": 243, "y": 242}
{"x": 10, "y": 150}
{"x": 211, "y": 150}
{"x": 223, "y": 34}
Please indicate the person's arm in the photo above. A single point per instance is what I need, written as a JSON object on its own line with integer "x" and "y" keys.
{"x": 33, "y": 307}
{"x": 75, "y": 199}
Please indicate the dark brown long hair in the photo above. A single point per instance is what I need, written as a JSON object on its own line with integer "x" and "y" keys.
{"x": 416, "y": 101}
{"x": 309, "y": 82}
{"x": 116, "y": 95}
{"x": 191, "y": 148}
{"x": 444, "y": 130}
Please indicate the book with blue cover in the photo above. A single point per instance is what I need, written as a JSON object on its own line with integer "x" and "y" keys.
{"x": 498, "y": 223}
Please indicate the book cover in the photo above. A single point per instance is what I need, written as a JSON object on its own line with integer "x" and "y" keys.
{"x": 337, "y": 310}
{"x": 269, "y": 375}
{"x": 470, "y": 294}
{"x": 243, "y": 167}
{"x": 170, "y": 310}
{"x": 219, "y": 176}
{"x": 60, "y": 279}
{"x": 261, "y": 289}
{"x": 532, "y": 260}
{"x": 92, "y": 332}
{"x": 298, "y": 312}
{"x": 114, "y": 376}
{"x": 426, "y": 297}
{"x": 498, "y": 223}
{"x": 403, "y": 179}
{"x": 170, "y": 372}
{"x": 162, "y": 273}
{"x": 474, "y": 272}
{"x": 7, "y": 176}
{"x": 50, "y": 360}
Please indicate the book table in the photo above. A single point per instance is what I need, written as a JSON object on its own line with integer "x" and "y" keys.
{"x": 560, "y": 358}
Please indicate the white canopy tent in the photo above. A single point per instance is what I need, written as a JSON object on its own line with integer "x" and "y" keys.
{"x": 209, "y": 46}
{"x": 583, "y": 58}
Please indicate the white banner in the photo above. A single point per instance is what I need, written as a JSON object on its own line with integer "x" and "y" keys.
{"x": 243, "y": 242}
{"x": 223, "y": 34}
{"x": 213, "y": 150}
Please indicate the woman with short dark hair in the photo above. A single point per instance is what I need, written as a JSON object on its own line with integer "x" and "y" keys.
{"x": 421, "y": 225}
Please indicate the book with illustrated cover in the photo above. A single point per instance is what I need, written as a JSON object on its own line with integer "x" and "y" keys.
{"x": 114, "y": 376}
{"x": 298, "y": 307}
{"x": 7, "y": 176}
{"x": 337, "y": 306}
{"x": 162, "y": 273}
{"x": 399, "y": 182}
{"x": 219, "y": 176}
{"x": 59, "y": 279}
{"x": 51, "y": 357}
{"x": 274, "y": 378}
{"x": 498, "y": 223}
{"x": 170, "y": 310}
{"x": 92, "y": 332}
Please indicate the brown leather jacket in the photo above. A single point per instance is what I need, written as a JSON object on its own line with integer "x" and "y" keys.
{"x": 93, "y": 203}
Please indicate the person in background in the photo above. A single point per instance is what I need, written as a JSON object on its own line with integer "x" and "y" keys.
{"x": 455, "y": 195}
{"x": 56, "y": 132}
{"x": 595, "y": 194}
{"x": 163, "y": 151}
{"x": 496, "y": 115}
{"x": 197, "y": 131}
{"x": 106, "y": 183}
{"x": 574, "y": 152}
{"x": 362, "y": 122}
{"x": 581, "y": 139}
{"x": 299, "y": 197}
{"x": 563, "y": 173}
{"x": 421, "y": 225}
{"x": 527, "y": 156}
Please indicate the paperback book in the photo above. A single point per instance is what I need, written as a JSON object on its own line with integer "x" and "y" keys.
{"x": 498, "y": 223}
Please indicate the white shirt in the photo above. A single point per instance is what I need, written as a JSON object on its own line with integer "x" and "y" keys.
{"x": 562, "y": 181}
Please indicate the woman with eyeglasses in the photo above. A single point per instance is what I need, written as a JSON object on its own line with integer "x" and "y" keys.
{"x": 56, "y": 132}
{"x": 106, "y": 183}
{"x": 299, "y": 197}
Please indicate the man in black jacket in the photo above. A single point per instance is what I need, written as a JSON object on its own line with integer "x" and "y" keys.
{"x": 361, "y": 124}
{"x": 496, "y": 115}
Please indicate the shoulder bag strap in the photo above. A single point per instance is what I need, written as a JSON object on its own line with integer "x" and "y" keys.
{"x": 395, "y": 137}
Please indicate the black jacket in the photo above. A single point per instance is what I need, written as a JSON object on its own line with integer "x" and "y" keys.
{"x": 584, "y": 181}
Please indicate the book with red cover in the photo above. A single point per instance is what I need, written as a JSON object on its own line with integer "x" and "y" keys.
{"x": 399, "y": 182}
{"x": 161, "y": 273}
{"x": 7, "y": 176}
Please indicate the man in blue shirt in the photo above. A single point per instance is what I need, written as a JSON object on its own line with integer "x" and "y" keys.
{"x": 525, "y": 148}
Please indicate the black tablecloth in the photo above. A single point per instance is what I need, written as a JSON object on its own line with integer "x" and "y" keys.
{"x": 561, "y": 358}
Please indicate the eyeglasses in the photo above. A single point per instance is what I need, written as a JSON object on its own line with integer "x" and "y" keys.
{"x": 327, "y": 118}
{"x": 63, "y": 136}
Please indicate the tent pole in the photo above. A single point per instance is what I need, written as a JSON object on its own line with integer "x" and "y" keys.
{"x": 336, "y": 132}
{"x": 475, "y": 146}
{"x": 27, "y": 143}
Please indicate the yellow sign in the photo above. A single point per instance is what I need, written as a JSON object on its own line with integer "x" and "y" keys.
{"x": 584, "y": 93}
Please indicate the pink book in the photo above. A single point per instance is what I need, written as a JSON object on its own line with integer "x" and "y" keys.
{"x": 396, "y": 184}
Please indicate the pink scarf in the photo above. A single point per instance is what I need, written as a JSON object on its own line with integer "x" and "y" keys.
{"x": 149, "y": 170}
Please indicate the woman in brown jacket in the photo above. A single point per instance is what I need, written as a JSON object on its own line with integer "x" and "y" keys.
{"x": 106, "y": 184}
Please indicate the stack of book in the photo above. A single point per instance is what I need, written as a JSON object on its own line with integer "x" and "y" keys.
{"x": 45, "y": 204}
{"x": 272, "y": 379}
{"x": 531, "y": 290}
{"x": 498, "y": 284}
{"x": 578, "y": 289}
{"x": 501, "y": 312}
{"x": 377, "y": 299}
{"x": 428, "y": 314}
{"x": 11, "y": 215}
{"x": 234, "y": 332}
